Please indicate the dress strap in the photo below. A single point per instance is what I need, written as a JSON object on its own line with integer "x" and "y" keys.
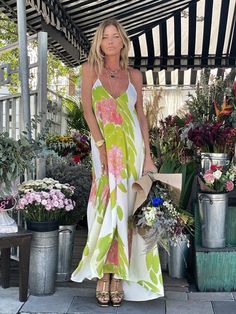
{"x": 128, "y": 75}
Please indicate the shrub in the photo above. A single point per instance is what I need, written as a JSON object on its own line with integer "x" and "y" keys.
{"x": 78, "y": 176}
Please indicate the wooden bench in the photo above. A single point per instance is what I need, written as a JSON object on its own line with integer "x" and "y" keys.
{"x": 22, "y": 239}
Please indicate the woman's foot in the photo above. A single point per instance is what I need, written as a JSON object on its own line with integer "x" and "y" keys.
{"x": 102, "y": 290}
{"x": 116, "y": 292}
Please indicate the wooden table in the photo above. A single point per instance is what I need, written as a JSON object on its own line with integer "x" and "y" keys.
{"x": 22, "y": 238}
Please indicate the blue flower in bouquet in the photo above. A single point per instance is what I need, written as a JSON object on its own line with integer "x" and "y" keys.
{"x": 156, "y": 201}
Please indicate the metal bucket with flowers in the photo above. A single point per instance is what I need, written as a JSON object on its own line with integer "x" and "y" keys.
{"x": 43, "y": 203}
{"x": 215, "y": 184}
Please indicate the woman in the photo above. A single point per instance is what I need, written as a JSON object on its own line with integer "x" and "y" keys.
{"x": 112, "y": 103}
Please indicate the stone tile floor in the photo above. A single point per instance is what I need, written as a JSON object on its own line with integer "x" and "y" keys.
{"x": 181, "y": 297}
{"x": 80, "y": 300}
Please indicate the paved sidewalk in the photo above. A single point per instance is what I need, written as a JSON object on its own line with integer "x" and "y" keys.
{"x": 81, "y": 300}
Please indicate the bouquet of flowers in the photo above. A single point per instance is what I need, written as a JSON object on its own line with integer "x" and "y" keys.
{"x": 159, "y": 222}
{"x": 45, "y": 200}
{"x": 217, "y": 179}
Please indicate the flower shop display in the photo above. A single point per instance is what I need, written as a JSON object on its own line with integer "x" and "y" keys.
{"x": 218, "y": 179}
{"x": 7, "y": 224}
{"x": 16, "y": 156}
{"x": 177, "y": 156}
{"x": 79, "y": 176}
{"x": 66, "y": 239}
{"x": 76, "y": 144}
{"x": 43, "y": 203}
{"x": 215, "y": 184}
{"x": 45, "y": 200}
{"x": 43, "y": 262}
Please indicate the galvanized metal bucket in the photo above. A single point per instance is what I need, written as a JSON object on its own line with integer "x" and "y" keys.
{"x": 65, "y": 252}
{"x": 177, "y": 260}
{"x": 212, "y": 209}
{"x": 43, "y": 262}
{"x": 218, "y": 159}
{"x": 163, "y": 255}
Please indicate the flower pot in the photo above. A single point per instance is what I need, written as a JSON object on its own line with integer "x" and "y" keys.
{"x": 177, "y": 259}
{"x": 7, "y": 224}
{"x": 65, "y": 252}
{"x": 163, "y": 255}
{"x": 42, "y": 226}
{"x": 218, "y": 159}
{"x": 212, "y": 209}
{"x": 43, "y": 262}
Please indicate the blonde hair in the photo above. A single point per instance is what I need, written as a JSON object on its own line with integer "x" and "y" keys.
{"x": 96, "y": 56}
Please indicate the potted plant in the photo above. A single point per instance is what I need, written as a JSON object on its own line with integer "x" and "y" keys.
{"x": 15, "y": 157}
{"x": 211, "y": 132}
{"x": 79, "y": 176}
{"x": 43, "y": 203}
{"x": 215, "y": 184}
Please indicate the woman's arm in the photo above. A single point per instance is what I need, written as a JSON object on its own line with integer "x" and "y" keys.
{"x": 138, "y": 83}
{"x": 88, "y": 76}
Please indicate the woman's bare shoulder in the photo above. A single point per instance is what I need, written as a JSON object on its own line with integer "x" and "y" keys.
{"x": 88, "y": 68}
{"x": 89, "y": 72}
{"x": 135, "y": 74}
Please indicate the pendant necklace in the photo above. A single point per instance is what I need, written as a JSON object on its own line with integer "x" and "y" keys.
{"x": 113, "y": 74}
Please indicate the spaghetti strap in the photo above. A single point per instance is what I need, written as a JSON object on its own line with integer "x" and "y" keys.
{"x": 128, "y": 74}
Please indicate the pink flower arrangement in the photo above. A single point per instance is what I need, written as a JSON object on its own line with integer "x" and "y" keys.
{"x": 217, "y": 179}
{"x": 45, "y": 200}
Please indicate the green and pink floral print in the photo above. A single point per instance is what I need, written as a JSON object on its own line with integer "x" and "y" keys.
{"x": 112, "y": 244}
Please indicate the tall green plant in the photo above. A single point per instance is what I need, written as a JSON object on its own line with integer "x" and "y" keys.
{"x": 74, "y": 115}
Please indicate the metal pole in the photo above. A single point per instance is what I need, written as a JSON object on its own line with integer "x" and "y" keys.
{"x": 24, "y": 64}
{"x": 42, "y": 75}
{"x": 42, "y": 95}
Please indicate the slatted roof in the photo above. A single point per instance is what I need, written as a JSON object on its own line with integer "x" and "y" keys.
{"x": 166, "y": 35}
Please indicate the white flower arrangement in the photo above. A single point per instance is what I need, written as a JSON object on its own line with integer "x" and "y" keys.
{"x": 45, "y": 200}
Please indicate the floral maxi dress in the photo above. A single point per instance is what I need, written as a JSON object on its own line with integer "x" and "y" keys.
{"x": 112, "y": 245}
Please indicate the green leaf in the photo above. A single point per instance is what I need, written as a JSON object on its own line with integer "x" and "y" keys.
{"x": 149, "y": 257}
{"x": 148, "y": 286}
{"x": 122, "y": 187}
{"x": 153, "y": 277}
{"x": 119, "y": 212}
{"x": 155, "y": 263}
{"x": 113, "y": 198}
{"x": 100, "y": 220}
{"x": 86, "y": 250}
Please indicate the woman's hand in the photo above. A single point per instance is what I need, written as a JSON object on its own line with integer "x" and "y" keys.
{"x": 149, "y": 165}
{"x": 103, "y": 158}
